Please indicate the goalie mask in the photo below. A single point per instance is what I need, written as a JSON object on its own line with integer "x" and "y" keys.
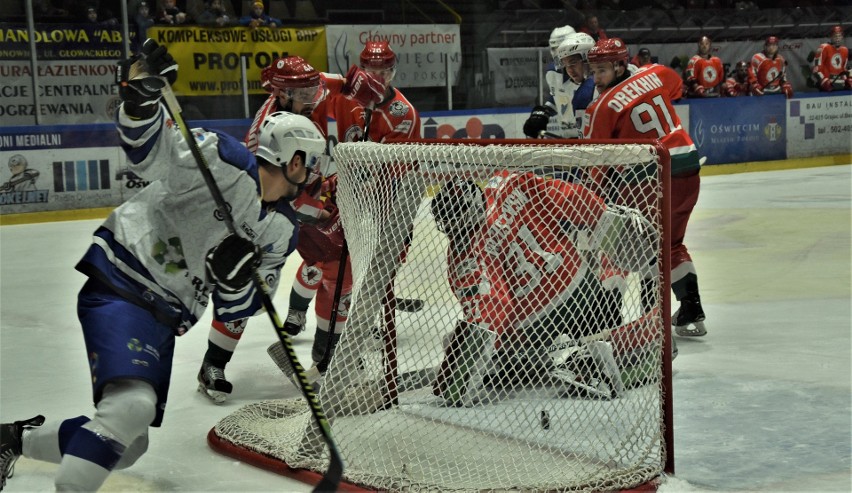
{"x": 379, "y": 59}
{"x": 458, "y": 208}
{"x": 284, "y": 134}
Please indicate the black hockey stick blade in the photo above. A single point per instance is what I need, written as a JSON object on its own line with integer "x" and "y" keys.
{"x": 331, "y": 480}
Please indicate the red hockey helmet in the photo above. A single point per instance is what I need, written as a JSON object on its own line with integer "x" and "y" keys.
{"x": 609, "y": 50}
{"x": 771, "y": 40}
{"x": 378, "y": 55}
{"x": 836, "y": 36}
{"x": 289, "y": 73}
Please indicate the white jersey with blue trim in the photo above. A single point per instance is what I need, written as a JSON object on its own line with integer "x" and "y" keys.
{"x": 560, "y": 98}
{"x": 152, "y": 248}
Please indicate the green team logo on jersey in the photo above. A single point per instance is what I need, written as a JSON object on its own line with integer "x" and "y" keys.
{"x": 134, "y": 345}
{"x": 169, "y": 254}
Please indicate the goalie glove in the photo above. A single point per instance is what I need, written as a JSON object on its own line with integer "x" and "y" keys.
{"x": 363, "y": 87}
{"x": 231, "y": 263}
{"x": 627, "y": 237}
{"x": 140, "y": 79}
{"x": 537, "y": 121}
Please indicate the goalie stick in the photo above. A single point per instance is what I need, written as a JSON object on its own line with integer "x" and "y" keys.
{"x": 331, "y": 479}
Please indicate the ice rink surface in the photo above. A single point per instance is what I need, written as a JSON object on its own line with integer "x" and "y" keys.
{"x": 762, "y": 403}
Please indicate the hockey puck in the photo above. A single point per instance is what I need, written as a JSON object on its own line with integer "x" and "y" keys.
{"x": 545, "y": 420}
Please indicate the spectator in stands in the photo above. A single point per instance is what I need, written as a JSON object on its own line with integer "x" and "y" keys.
{"x": 93, "y": 17}
{"x": 214, "y": 14}
{"x": 49, "y": 8}
{"x": 593, "y": 28}
{"x": 643, "y": 57}
{"x": 143, "y": 20}
{"x": 171, "y": 14}
{"x": 258, "y": 18}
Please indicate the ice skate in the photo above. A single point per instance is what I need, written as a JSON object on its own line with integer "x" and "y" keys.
{"x": 11, "y": 445}
{"x": 688, "y": 320}
{"x": 212, "y": 383}
{"x": 295, "y": 322}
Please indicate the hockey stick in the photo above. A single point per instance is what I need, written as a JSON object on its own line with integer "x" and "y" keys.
{"x": 368, "y": 118}
{"x": 331, "y": 479}
{"x": 322, "y": 366}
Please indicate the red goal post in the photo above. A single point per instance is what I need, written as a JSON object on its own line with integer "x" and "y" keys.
{"x": 586, "y": 407}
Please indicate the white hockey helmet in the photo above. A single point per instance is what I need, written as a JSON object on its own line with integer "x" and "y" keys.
{"x": 283, "y": 134}
{"x": 556, "y": 37}
{"x": 575, "y": 44}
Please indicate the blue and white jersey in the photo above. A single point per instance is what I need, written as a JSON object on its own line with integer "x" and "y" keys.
{"x": 561, "y": 98}
{"x": 152, "y": 248}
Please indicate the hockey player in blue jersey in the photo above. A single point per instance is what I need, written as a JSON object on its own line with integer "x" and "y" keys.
{"x": 155, "y": 263}
{"x": 571, "y": 90}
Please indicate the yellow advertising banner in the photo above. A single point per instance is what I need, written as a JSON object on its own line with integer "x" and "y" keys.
{"x": 210, "y": 57}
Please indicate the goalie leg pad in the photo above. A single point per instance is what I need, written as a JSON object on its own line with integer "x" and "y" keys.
{"x": 590, "y": 372}
{"x": 466, "y": 361}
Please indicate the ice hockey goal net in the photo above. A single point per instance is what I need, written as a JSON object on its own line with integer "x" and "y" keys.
{"x": 533, "y": 359}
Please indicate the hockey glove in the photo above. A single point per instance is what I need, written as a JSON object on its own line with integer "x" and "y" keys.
{"x": 787, "y": 89}
{"x": 699, "y": 90}
{"x": 756, "y": 90}
{"x": 139, "y": 79}
{"x": 537, "y": 122}
{"x": 231, "y": 263}
{"x": 825, "y": 85}
{"x": 363, "y": 88}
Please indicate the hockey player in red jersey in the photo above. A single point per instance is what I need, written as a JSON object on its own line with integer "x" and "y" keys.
{"x": 295, "y": 86}
{"x": 767, "y": 73}
{"x": 704, "y": 73}
{"x": 639, "y": 106}
{"x": 831, "y": 70}
{"x": 737, "y": 84}
{"x": 391, "y": 118}
{"x": 522, "y": 279}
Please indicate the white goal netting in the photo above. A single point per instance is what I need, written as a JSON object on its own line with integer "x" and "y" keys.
{"x": 506, "y": 328}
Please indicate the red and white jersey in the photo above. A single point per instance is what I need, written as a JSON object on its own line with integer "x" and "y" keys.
{"x": 735, "y": 88}
{"x": 830, "y": 61}
{"x": 640, "y": 108}
{"x": 705, "y": 72}
{"x": 393, "y": 118}
{"x": 333, "y": 84}
{"x": 525, "y": 262}
{"x": 767, "y": 73}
